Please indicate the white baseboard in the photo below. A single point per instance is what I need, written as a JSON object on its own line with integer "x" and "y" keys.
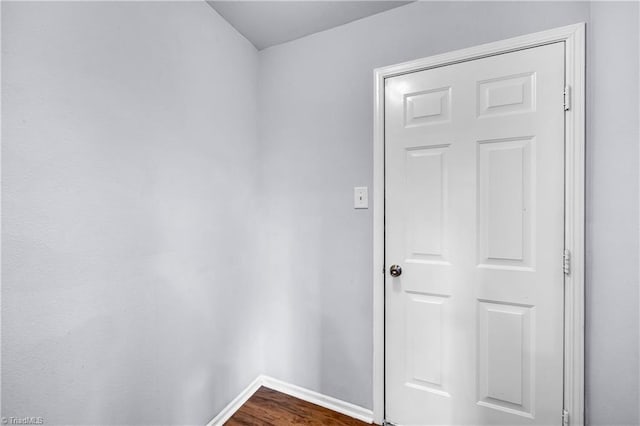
{"x": 237, "y": 402}
{"x": 325, "y": 401}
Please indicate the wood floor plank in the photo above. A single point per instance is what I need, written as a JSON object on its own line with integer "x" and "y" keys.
{"x": 268, "y": 407}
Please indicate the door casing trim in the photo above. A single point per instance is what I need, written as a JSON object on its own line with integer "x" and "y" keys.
{"x": 574, "y": 310}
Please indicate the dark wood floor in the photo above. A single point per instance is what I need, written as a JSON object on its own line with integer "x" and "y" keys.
{"x": 269, "y": 407}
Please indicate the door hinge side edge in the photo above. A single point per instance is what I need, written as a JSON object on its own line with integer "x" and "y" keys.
{"x": 567, "y": 98}
{"x": 566, "y": 262}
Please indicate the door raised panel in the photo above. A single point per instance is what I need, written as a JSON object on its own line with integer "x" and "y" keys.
{"x": 425, "y": 342}
{"x": 427, "y": 107}
{"x": 506, "y": 95}
{"x": 425, "y": 203}
{"x": 505, "y": 205}
{"x": 505, "y": 345}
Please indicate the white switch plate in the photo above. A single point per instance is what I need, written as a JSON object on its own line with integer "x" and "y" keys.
{"x": 361, "y": 197}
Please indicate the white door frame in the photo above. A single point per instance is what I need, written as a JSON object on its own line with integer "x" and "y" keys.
{"x": 574, "y": 38}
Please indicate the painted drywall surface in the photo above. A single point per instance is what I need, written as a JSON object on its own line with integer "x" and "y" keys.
{"x": 612, "y": 215}
{"x": 267, "y": 23}
{"x": 315, "y": 125}
{"x": 128, "y": 151}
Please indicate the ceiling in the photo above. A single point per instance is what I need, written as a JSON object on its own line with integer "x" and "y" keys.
{"x": 267, "y": 23}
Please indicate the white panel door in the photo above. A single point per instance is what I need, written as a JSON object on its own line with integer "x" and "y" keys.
{"x": 474, "y": 217}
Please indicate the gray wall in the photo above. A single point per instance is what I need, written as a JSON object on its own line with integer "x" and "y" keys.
{"x": 128, "y": 168}
{"x": 315, "y": 126}
{"x": 612, "y": 214}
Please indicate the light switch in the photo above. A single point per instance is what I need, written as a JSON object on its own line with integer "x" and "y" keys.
{"x": 360, "y": 197}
